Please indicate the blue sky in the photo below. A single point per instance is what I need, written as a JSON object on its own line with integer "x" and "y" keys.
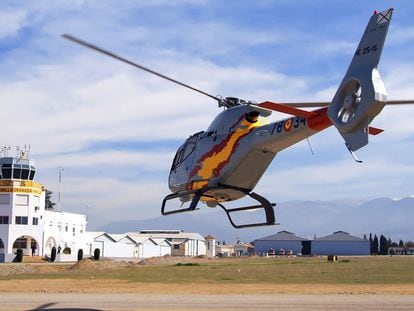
{"x": 115, "y": 129}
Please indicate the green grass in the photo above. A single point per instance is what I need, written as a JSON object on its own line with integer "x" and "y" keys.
{"x": 358, "y": 270}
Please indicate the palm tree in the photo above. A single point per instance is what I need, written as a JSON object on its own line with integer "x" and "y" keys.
{"x": 48, "y": 201}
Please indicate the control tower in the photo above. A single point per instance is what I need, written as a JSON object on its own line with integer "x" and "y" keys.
{"x": 22, "y": 207}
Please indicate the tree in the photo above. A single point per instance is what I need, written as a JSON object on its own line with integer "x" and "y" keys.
{"x": 375, "y": 245}
{"x": 371, "y": 244}
{"x": 383, "y": 245}
{"x": 401, "y": 243}
{"x": 48, "y": 200}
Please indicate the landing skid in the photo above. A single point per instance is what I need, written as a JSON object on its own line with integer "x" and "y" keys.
{"x": 197, "y": 194}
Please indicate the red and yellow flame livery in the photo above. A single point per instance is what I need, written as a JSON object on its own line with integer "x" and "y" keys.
{"x": 211, "y": 163}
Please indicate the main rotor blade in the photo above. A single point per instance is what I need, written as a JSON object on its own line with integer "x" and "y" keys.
{"x": 400, "y": 102}
{"x": 96, "y": 48}
{"x": 324, "y": 104}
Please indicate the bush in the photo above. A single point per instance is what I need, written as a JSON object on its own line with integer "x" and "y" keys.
{"x": 80, "y": 254}
{"x": 53, "y": 254}
{"x": 19, "y": 255}
{"x": 96, "y": 253}
{"x": 67, "y": 251}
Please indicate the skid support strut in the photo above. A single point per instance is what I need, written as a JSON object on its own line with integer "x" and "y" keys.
{"x": 197, "y": 194}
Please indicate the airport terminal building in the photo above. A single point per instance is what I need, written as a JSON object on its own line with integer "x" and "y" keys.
{"x": 26, "y": 224}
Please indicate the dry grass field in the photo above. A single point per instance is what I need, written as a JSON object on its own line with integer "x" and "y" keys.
{"x": 253, "y": 275}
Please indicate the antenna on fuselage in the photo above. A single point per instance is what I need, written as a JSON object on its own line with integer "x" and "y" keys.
{"x": 310, "y": 146}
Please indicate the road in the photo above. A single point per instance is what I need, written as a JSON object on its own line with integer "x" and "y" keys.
{"x": 122, "y": 301}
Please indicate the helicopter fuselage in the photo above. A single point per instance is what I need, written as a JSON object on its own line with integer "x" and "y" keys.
{"x": 235, "y": 151}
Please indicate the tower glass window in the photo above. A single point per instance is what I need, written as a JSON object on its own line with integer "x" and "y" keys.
{"x": 17, "y": 168}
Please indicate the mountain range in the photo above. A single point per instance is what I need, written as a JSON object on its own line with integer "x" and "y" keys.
{"x": 390, "y": 217}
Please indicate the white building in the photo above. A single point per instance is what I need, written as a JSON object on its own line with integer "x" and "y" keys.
{"x": 147, "y": 246}
{"x": 24, "y": 222}
{"x": 149, "y": 243}
{"x": 182, "y": 243}
{"x": 113, "y": 245}
{"x": 210, "y": 246}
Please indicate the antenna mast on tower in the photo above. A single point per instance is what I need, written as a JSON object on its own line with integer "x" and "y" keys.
{"x": 60, "y": 181}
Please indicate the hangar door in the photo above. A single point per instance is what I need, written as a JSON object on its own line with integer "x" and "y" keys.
{"x": 306, "y": 248}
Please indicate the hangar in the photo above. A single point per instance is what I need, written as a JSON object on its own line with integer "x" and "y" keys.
{"x": 340, "y": 243}
{"x": 149, "y": 243}
{"x": 181, "y": 243}
{"x": 283, "y": 240}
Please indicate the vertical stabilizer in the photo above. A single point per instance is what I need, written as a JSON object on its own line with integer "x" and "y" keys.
{"x": 361, "y": 95}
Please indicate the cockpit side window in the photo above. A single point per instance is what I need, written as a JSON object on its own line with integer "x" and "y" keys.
{"x": 178, "y": 158}
{"x": 186, "y": 150}
{"x": 189, "y": 148}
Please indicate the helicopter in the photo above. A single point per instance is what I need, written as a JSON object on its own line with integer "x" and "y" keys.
{"x": 225, "y": 162}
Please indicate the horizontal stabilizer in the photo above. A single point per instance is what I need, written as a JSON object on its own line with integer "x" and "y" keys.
{"x": 288, "y": 109}
{"x": 374, "y": 130}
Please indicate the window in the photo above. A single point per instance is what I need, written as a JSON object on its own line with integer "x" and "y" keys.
{"x": 25, "y": 172}
{"x": 4, "y": 199}
{"x": 36, "y": 203}
{"x": 185, "y": 150}
{"x": 22, "y": 199}
{"x": 6, "y": 171}
{"x": 35, "y": 221}
{"x": 66, "y": 227}
{"x": 1, "y": 244}
{"x": 81, "y": 229}
{"x": 73, "y": 230}
{"x": 189, "y": 148}
{"x": 20, "y": 243}
{"x": 16, "y": 173}
{"x": 176, "y": 246}
{"x": 177, "y": 158}
{"x": 4, "y": 220}
{"x": 22, "y": 220}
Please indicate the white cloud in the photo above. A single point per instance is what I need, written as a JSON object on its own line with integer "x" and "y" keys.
{"x": 11, "y": 23}
{"x": 401, "y": 34}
